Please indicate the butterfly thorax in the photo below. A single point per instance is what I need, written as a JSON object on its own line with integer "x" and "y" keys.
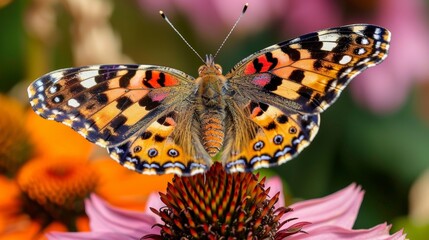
{"x": 211, "y": 106}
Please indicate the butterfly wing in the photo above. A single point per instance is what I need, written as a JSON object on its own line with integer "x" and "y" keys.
{"x": 299, "y": 79}
{"x": 266, "y": 137}
{"x": 133, "y": 110}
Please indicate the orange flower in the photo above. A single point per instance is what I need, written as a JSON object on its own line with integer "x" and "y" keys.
{"x": 54, "y": 139}
{"x": 14, "y": 223}
{"x": 48, "y": 190}
{"x": 14, "y": 145}
{"x": 118, "y": 185}
{"x": 124, "y": 188}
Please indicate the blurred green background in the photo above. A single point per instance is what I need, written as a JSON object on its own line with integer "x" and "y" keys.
{"x": 379, "y": 143}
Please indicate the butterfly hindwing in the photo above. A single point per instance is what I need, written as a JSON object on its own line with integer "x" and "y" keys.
{"x": 166, "y": 146}
{"x": 278, "y": 138}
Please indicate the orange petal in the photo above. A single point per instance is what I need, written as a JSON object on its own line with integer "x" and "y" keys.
{"x": 53, "y": 227}
{"x": 82, "y": 224}
{"x": 21, "y": 230}
{"x": 127, "y": 189}
{"x": 52, "y": 138}
{"x": 9, "y": 199}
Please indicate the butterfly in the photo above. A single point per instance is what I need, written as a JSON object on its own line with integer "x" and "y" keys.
{"x": 262, "y": 113}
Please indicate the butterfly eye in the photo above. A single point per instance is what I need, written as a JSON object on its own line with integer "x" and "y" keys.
{"x": 152, "y": 152}
{"x": 202, "y": 69}
{"x": 218, "y": 68}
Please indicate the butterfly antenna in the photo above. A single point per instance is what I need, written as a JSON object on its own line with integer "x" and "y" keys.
{"x": 232, "y": 29}
{"x": 180, "y": 35}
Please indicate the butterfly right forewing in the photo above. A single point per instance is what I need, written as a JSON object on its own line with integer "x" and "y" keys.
{"x": 308, "y": 73}
{"x": 295, "y": 80}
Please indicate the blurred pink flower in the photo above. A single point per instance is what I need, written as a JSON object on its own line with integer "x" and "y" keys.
{"x": 212, "y": 19}
{"x": 331, "y": 217}
{"x": 385, "y": 88}
{"x": 302, "y": 17}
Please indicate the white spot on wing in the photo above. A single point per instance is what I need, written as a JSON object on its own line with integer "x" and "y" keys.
{"x": 345, "y": 59}
{"x": 53, "y": 89}
{"x": 41, "y": 97}
{"x": 377, "y": 31}
{"x": 88, "y": 83}
{"x": 377, "y": 44}
{"x": 364, "y": 41}
{"x": 361, "y": 51}
{"x": 84, "y": 75}
{"x": 38, "y": 83}
{"x": 346, "y": 72}
{"x": 329, "y": 37}
{"x": 73, "y": 103}
{"x": 328, "y": 46}
{"x": 57, "y": 75}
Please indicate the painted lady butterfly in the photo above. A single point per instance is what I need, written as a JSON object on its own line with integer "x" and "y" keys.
{"x": 265, "y": 111}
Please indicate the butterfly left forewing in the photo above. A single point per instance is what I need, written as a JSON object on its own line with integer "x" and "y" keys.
{"x": 135, "y": 111}
{"x": 108, "y": 103}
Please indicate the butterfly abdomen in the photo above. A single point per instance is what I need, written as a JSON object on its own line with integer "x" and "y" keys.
{"x": 212, "y": 131}
{"x": 211, "y": 109}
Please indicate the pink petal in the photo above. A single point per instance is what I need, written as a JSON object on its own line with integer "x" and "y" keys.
{"x": 90, "y": 236}
{"x": 154, "y": 201}
{"x": 105, "y": 218}
{"x": 275, "y": 183}
{"x": 339, "y": 209}
{"x": 379, "y": 232}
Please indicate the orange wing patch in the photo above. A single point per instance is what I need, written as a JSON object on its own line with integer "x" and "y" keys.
{"x": 278, "y": 139}
{"x": 155, "y": 152}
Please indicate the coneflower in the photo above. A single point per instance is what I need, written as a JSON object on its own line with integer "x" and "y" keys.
{"x": 217, "y": 205}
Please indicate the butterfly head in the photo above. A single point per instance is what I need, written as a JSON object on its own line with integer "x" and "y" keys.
{"x": 210, "y": 67}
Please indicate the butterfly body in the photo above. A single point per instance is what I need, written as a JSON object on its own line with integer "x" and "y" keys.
{"x": 262, "y": 113}
{"x": 211, "y": 105}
